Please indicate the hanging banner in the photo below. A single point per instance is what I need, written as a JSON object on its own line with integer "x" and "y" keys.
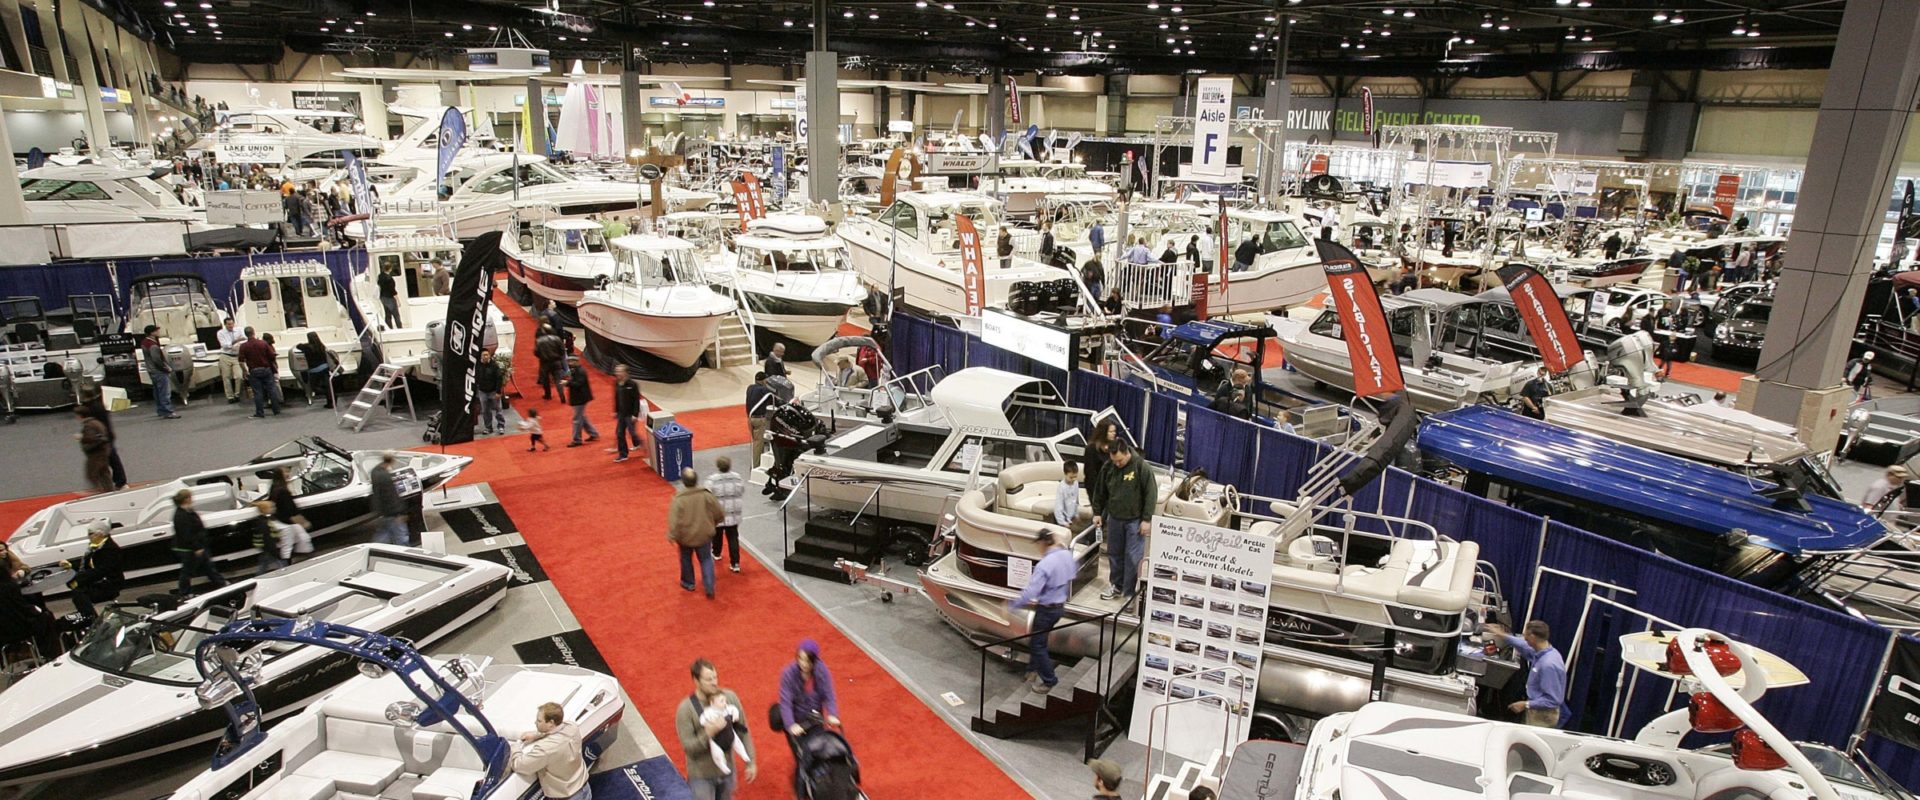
{"x": 249, "y": 154}
{"x": 1013, "y": 100}
{"x": 1212, "y": 106}
{"x": 972, "y": 279}
{"x": 1140, "y": 166}
{"x": 1366, "y": 110}
{"x": 453, "y": 136}
{"x": 1225, "y": 260}
{"x": 1205, "y": 629}
{"x": 1073, "y": 140}
{"x": 800, "y": 114}
{"x": 466, "y": 323}
{"x": 755, "y": 196}
{"x": 742, "y": 203}
{"x": 362, "y": 190}
{"x": 1726, "y": 191}
{"x": 1363, "y": 323}
{"x": 1896, "y": 709}
{"x": 1546, "y": 318}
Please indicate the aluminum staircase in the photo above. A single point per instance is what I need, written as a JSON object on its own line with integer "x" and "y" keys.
{"x": 733, "y": 347}
{"x": 386, "y": 379}
{"x": 1020, "y": 709}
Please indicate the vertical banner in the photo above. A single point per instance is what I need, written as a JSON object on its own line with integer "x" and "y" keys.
{"x": 1212, "y": 106}
{"x": 466, "y": 323}
{"x": 1224, "y": 263}
{"x": 1363, "y": 323}
{"x": 1197, "y": 284}
{"x": 1902, "y": 224}
{"x": 1726, "y": 191}
{"x": 1013, "y": 100}
{"x": 1206, "y": 626}
{"x": 362, "y": 189}
{"x": 1546, "y": 318}
{"x": 742, "y": 203}
{"x": 1073, "y": 140}
{"x": 1366, "y": 110}
{"x": 972, "y": 279}
{"x": 800, "y": 114}
{"x": 452, "y": 137}
{"x": 756, "y": 197}
{"x": 1896, "y": 708}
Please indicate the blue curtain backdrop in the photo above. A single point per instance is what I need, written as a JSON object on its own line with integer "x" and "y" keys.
{"x": 1840, "y": 653}
{"x": 52, "y": 283}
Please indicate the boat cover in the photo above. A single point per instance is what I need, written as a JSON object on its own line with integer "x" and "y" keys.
{"x": 1517, "y": 450}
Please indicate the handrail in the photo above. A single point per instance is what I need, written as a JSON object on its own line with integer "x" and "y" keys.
{"x": 983, "y": 648}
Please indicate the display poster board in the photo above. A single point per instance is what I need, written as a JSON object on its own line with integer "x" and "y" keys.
{"x": 1042, "y": 343}
{"x": 947, "y": 163}
{"x": 1896, "y": 708}
{"x": 800, "y": 114}
{"x": 348, "y": 102}
{"x": 244, "y": 207}
{"x": 1450, "y": 174}
{"x": 1726, "y": 191}
{"x": 1206, "y": 627}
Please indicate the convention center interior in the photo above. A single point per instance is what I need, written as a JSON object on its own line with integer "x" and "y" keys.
{"x": 959, "y": 399}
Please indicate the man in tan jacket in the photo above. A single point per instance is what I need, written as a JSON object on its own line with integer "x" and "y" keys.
{"x": 551, "y": 754}
{"x": 690, "y": 524}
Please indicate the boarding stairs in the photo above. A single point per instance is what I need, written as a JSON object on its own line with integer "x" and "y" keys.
{"x": 831, "y": 537}
{"x": 385, "y": 381}
{"x": 1021, "y": 709}
{"x": 733, "y": 346}
{"x": 1190, "y": 776}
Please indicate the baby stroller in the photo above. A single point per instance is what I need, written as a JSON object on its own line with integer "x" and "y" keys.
{"x": 827, "y": 769}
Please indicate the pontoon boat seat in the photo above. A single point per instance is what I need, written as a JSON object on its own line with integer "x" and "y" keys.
{"x": 1431, "y": 575}
{"x": 1028, "y": 490}
{"x": 1576, "y": 780}
{"x": 1202, "y": 510}
{"x": 1288, "y": 573}
{"x": 997, "y": 530}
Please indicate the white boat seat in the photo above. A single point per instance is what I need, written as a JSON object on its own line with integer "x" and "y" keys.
{"x": 300, "y": 787}
{"x": 207, "y": 497}
{"x": 980, "y": 526}
{"x": 1430, "y": 575}
{"x": 353, "y": 771}
{"x": 1029, "y": 490}
{"x": 448, "y": 783}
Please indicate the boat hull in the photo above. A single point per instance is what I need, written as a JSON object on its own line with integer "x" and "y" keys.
{"x": 811, "y": 322}
{"x": 553, "y": 286}
{"x": 679, "y": 339}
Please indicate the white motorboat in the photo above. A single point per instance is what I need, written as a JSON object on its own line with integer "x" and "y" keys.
{"x": 559, "y": 258}
{"x": 413, "y": 259}
{"x": 486, "y": 189}
{"x": 352, "y": 743}
{"x": 1701, "y": 431}
{"x": 912, "y": 247}
{"x": 44, "y": 365}
{"x": 58, "y": 195}
{"x": 658, "y": 304}
{"x": 302, "y": 139}
{"x": 180, "y": 303}
{"x": 1023, "y": 184}
{"x": 290, "y": 299}
{"x": 127, "y": 690}
{"x": 1440, "y": 354}
{"x": 1386, "y": 750}
{"x": 791, "y": 277}
{"x": 331, "y": 484}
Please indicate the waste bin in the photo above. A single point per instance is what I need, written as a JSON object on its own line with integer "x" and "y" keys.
{"x": 672, "y": 450}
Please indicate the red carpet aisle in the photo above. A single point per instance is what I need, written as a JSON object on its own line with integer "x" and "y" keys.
{"x": 14, "y": 512}
{"x": 1715, "y": 378}
{"x": 599, "y": 529}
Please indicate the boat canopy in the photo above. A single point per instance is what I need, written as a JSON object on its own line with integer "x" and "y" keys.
{"x": 1524, "y": 452}
{"x": 977, "y": 400}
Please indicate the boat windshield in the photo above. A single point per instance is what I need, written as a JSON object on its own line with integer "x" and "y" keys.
{"x": 51, "y": 189}
{"x": 1833, "y": 764}
{"x": 323, "y": 468}
{"x": 781, "y": 261}
{"x": 171, "y": 293}
{"x": 129, "y": 645}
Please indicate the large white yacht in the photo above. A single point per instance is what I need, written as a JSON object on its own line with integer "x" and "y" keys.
{"x": 305, "y": 139}
{"x": 1024, "y": 183}
{"x": 917, "y": 233}
{"x": 792, "y": 278}
{"x": 486, "y": 188}
{"x": 658, "y": 304}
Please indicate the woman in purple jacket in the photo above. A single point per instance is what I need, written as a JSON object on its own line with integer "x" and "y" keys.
{"x": 806, "y": 691}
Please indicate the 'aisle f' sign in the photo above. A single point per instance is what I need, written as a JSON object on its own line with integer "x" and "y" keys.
{"x": 1214, "y": 104}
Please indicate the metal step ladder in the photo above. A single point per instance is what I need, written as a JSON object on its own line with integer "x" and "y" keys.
{"x": 386, "y": 379}
{"x": 733, "y": 346}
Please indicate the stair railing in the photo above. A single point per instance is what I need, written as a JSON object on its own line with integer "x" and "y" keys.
{"x": 1023, "y": 640}
{"x": 1106, "y": 725}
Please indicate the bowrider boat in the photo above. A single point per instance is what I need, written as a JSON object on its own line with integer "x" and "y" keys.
{"x": 791, "y": 277}
{"x": 657, "y": 307}
{"x": 1389, "y": 751}
{"x": 290, "y": 299}
{"x": 1440, "y": 358}
{"x": 331, "y": 485}
{"x": 127, "y": 690}
{"x": 413, "y": 259}
{"x": 913, "y": 247}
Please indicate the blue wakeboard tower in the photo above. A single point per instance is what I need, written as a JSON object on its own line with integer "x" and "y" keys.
{"x": 227, "y": 681}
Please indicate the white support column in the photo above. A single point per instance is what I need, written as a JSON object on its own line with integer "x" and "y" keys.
{"x": 50, "y": 34}
{"x": 823, "y": 126}
{"x": 13, "y": 206}
{"x": 73, "y": 21}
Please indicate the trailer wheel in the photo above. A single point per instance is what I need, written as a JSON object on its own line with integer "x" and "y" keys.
{"x": 886, "y": 596}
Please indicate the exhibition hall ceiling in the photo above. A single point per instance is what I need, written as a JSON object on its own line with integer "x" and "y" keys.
{"x": 1082, "y": 36}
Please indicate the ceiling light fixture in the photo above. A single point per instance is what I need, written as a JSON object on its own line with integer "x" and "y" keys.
{"x": 847, "y": 13}
{"x": 1506, "y": 24}
{"x": 1679, "y": 17}
{"x": 1753, "y": 30}
{"x": 1344, "y": 44}
{"x": 1386, "y": 30}
{"x": 1583, "y": 4}
{"x": 1740, "y": 28}
{"x": 1164, "y": 26}
{"x": 873, "y": 15}
{"x": 787, "y": 22}
{"x": 1569, "y": 36}
{"x": 1659, "y": 16}
{"x": 1051, "y": 14}
{"x": 1387, "y": 11}
{"x": 1468, "y": 40}
{"x": 1486, "y": 21}
{"x": 1074, "y": 15}
{"x": 1153, "y": 6}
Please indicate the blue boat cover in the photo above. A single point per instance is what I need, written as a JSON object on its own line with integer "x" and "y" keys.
{"x": 1209, "y": 332}
{"x": 1525, "y": 452}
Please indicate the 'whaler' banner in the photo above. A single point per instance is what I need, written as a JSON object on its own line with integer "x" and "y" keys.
{"x": 743, "y": 203}
{"x": 1363, "y": 323}
{"x": 466, "y": 323}
{"x": 756, "y": 196}
{"x": 972, "y": 275}
{"x": 1546, "y": 318}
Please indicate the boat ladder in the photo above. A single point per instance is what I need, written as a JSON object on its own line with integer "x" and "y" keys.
{"x": 386, "y": 379}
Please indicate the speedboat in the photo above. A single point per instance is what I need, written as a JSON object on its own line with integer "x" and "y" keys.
{"x": 791, "y": 277}
{"x": 1023, "y": 184}
{"x": 364, "y": 739}
{"x": 658, "y": 307}
{"x": 913, "y": 247}
{"x": 290, "y": 299}
{"x": 1685, "y": 426}
{"x": 414, "y": 258}
{"x": 44, "y": 365}
{"x": 127, "y": 690}
{"x": 332, "y": 486}
{"x": 1389, "y": 750}
{"x": 1443, "y": 365}
{"x": 560, "y": 258}
{"x": 189, "y": 319}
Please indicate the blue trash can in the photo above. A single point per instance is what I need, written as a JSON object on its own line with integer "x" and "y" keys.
{"x": 672, "y": 450}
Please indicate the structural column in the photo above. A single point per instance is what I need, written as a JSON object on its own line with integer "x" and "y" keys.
{"x": 632, "y": 130}
{"x": 1870, "y": 95}
{"x": 536, "y": 118}
{"x": 996, "y": 117}
{"x": 1274, "y": 107}
{"x": 450, "y": 93}
{"x": 823, "y": 113}
{"x": 87, "y": 83}
{"x": 13, "y": 205}
{"x": 1116, "y": 105}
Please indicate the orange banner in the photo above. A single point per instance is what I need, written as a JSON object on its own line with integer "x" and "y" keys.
{"x": 972, "y": 278}
{"x": 756, "y": 196}
{"x": 742, "y": 202}
{"x": 1726, "y": 191}
{"x": 1546, "y": 318}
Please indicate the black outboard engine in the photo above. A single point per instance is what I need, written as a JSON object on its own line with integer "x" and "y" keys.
{"x": 794, "y": 429}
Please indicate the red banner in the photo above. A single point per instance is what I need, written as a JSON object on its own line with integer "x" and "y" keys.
{"x": 1546, "y": 318}
{"x": 742, "y": 202}
{"x": 1199, "y": 289}
{"x": 1013, "y": 100}
{"x": 1225, "y": 261}
{"x": 1317, "y": 165}
{"x": 972, "y": 280}
{"x": 1726, "y": 190}
{"x": 756, "y": 196}
{"x": 1363, "y": 323}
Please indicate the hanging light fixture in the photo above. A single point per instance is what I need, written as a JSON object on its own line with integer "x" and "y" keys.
{"x": 1486, "y": 21}
{"x": 1506, "y": 24}
{"x": 1586, "y": 35}
{"x": 1659, "y": 16}
{"x": 1740, "y": 27}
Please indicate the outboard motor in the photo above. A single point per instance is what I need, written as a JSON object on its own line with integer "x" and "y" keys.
{"x": 794, "y": 429}
{"x": 1631, "y": 355}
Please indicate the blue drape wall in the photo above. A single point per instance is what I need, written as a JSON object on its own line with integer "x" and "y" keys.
{"x": 52, "y": 283}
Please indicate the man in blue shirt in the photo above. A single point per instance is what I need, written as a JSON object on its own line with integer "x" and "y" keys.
{"x": 1546, "y": 677}
{"x": 1047, "y": 590}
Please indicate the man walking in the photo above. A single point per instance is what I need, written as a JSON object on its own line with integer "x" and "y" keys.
{"x": 629, "y": 408}
{"x": 486, "y": 390}
{"x": 230, "y": 377}
{"x": 1546, "y": 674}
{"x": 551, "y": 753}
{"x": 760, "y": 405}
{"x": 258, "y": 358}
{"x": 727, "y": 487}
{"x": 691, "y": 520}
{"x": 708, "y": 778}
{"x": 1047, "y": 590}
{"x": 154, "y": 358}
{"x": 1126, "y": 505}
{"x": 190, "y": 545}
{"x": 579, "y": 394}
{"x": 551, "y": 353}
{"x": 389, "y": 511}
